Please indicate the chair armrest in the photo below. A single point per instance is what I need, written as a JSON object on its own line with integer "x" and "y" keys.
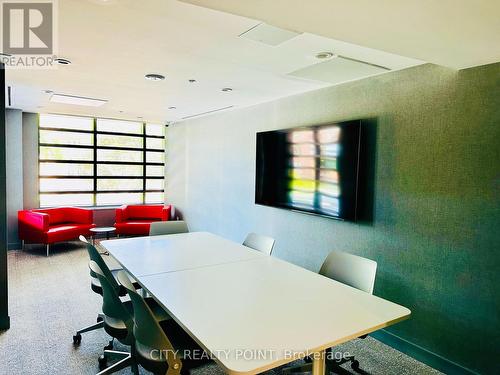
{"x": 121, "y": 214}
{"x": 81, "y": 215}
{"x": 166, "y": 213}
{"x": 32, "y": 221}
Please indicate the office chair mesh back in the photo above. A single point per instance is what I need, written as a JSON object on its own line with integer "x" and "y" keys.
{"x": 147, "y": 331}
{"x": 95, "y": 256}
{"x": 260, "y": 243}
{"x": 112, "y": 306}
{"x": 167, "y": 227}
{"x": 350, "y": 269}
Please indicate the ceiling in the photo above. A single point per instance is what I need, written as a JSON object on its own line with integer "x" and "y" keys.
{"x": 453, "y": 33}
{"x": 113, "y": 44}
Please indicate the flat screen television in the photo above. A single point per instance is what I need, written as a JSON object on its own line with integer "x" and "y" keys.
{"x": 310, "y": 169}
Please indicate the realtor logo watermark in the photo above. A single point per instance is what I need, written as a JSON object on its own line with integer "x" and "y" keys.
{"x": 29, "y": 38}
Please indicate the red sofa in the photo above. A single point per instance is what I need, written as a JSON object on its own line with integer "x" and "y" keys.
{"x": 52, "y": 225}
{"x": 136, "y": 220}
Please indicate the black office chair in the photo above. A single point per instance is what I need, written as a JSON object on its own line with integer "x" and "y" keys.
{"x": 118, "y": 321}
{"x": 166, "y": 338}
{"x": 95, "y": 285}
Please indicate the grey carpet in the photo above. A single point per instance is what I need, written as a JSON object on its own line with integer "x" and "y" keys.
{"x": 49, "y": 298}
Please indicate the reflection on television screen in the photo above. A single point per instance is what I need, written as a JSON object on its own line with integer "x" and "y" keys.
{"x": 314, "y": 180}
{"x": 310, "y": 169}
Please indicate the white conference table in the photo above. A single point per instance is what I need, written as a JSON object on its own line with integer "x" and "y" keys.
{"x": 251, "y": 312}
{"x": 176, "y": 252}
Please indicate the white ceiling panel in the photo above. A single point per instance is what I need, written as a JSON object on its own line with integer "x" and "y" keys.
{"x": 338, "y": 70}
{"x": 453, "y": 33}
{"x": 113, "y": 44}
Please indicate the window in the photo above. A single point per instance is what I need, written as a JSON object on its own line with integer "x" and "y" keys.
{"x": 85, "y": 161}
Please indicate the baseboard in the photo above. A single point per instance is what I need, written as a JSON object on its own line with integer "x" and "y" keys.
{"x": 14, "y": 246}
{"x": 4, "y": 323}
{"x": 421, "y": 354}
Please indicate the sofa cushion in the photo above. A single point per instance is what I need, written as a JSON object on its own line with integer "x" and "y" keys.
{"x": 136, "y": 227}
{"x": 66, "y": 232}
{"x": 56, "y": 215}
{"x": 144, "y": 212}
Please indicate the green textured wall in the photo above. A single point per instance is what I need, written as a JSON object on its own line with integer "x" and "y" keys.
{"x": 438, "y": 204}
{"x": 436, "y": 227}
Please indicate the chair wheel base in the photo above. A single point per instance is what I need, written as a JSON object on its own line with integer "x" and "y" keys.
{"x": 109, "y": 346}
{"x": 103, "y": 362}
{"x": 77, "y": 339}
{"x": 355, "y": 365}
{"x": 99, "y": 319}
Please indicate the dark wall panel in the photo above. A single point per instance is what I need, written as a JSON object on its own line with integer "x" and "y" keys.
{"x": 4, "y": 316}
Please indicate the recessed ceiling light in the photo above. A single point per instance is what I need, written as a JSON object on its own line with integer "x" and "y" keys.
{"x": 324, "y": 55}
{"x": 172, "y": 107}
{"x": 192, "y": 81}
{"x": 227, "y": 89}
{"x": 77, "y": 100}
{"x": 62, "y": 61}
{"x": 154, "y": 77}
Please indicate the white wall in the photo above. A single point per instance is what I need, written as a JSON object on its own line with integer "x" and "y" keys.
{"x": 176, "y": 168}
{"x": 30, "y": 160}
{"x": 14, "y": 172}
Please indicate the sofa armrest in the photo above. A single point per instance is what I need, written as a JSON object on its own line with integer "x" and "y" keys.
{"x": 81, "y": 215}
{"x": 32, "y": 221}
{"x": 121, "y": 214}
{"x": 166, "y": 213}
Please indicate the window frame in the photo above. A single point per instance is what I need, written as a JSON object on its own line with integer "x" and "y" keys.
{"x": 94, "y": 162}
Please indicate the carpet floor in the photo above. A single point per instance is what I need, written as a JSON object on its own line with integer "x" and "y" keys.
{"x": 50, "y": 298}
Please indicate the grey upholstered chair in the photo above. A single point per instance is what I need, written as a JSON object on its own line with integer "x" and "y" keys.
{"x": 351, "y": 270}
{"x": 158, "y": 228}
{"x": 258, "y": 242}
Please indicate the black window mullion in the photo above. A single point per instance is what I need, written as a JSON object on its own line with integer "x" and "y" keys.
{"x": 119, "y": 148}
{"x": 144, "y": 168}
{"x": 95, "y": 163}
{"x": 99, "y": 162}
{"x": 89, "y": 177}
{"x": 100, "y": 191}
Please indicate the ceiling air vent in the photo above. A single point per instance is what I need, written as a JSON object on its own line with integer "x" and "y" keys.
{"x": 267, "y": 34}
{"x": 207, "y": 112}
{"x": 338, "y": 69}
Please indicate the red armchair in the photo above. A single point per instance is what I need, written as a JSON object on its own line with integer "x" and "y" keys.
{"x": 52, "y": 225}
{"x": 136, "y": 220}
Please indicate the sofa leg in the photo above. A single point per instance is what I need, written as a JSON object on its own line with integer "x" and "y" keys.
{"x": 48, "y": 248}
{"x": 22, "y": 245}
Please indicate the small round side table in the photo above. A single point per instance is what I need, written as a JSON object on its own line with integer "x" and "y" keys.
{"x": 99, "y": 230}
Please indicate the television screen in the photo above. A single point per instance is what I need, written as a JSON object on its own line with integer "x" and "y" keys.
{"x": 311, "y": 169}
